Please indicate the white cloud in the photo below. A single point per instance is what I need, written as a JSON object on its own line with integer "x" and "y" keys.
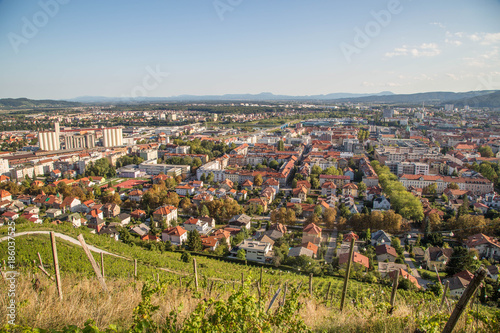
{"x": 424, "y": 50}
{"x": 453, "y": 42}
{"x": 439, "y": 24}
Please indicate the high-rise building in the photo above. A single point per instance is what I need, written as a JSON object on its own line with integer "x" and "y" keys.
{"x": 112, "y": 137}
{"x": 86, "y": 140}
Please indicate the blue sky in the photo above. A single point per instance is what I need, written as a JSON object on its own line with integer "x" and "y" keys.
{"x": 295, "y": 47}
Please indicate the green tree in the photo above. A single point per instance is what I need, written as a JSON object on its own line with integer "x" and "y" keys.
{"x": 460, "y": 260}
{"x": 193, "y": 242}
{"x": 258, "y": 180}
{"x": 281, "y": 145}
{"x": 186, "y": 257}
{"x": 204, "y": 211}
{"x": 486, "y": 151}
{"x": 241, "y": 254}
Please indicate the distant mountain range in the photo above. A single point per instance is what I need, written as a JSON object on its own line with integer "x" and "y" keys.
{"x": 484, "y": 98}
{"x": 25, "y": 103}
{"x": 265, "y": 96}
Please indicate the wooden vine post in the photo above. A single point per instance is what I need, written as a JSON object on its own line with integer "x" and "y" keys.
{"x": 135, "y": 268}
{"x": 102, "y": 264}
{"x": 394, "y": 289}
{"x": 444, "y": 294}
{"x": 311, "y": 284}
{"x": 195, "y": 274}
{"x": 93, "y": 263}
{"x": 462, "y": 302}
{"x": 56, "y": 264}
{"x": 347, "y": 272}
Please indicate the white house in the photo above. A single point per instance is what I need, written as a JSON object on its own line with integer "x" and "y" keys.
{"x": 176, "y": 235}
{"x": 381, "y": 203}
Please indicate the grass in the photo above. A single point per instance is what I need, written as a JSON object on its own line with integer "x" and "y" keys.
{"x": 431, "y": 275}
{"x": 39, "y": 305}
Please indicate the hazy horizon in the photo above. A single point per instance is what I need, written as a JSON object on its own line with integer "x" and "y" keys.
{"x": 55, "y": 49}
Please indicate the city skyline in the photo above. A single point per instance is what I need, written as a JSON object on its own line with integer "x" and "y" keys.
{"x": 66, "y": 49}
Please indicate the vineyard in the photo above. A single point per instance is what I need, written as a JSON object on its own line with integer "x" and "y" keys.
{"x": 164, "y": 296}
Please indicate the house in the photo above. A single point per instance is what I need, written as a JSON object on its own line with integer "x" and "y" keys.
{"x": 94, "y": 214}
{"x": 381, "y": 203}
{"x": 312, "y": 247}
{"x": 357, "y": 258}
{"x": 419, "y": 253}
{"x": 96, "y": 223}
{"x": 53, "y": 212}
{"x": 486, "y": 246}
{"x": 209, "y": 242}
{"x": 25, "y": 199}
{"x": 349, "y": 236}
{"x": 350, "y": 189}
{"x": 300, "y": 193}
{"x": 482, "y": 208}
{"x": 242, "y": 195}
{"x": 138, "y": 213}
{"x": 71, "y": 203}
{"x": 437, "y": 258}
{"x": 311, "y": 233}
{"x": 493, "y": 272}
{"x": 56, "y": 173}
{"x": 111, "y": 210}
{"x": 405, "y": 275}
{"x": 76, "y": 220}
{"x": 269, "y": 193}
{"x": 384, "y": 268}
{"x": 271, "y": 182}
{"x": 386, "y": 252}
{"x": 202, "y": 197}
{"x": 175, "y": 235}
{"x": 32, "y": 218}
{"x": 194, "y": 224}
{"x": 4, "y": 178}
{"x": 300, "y": 251}
{"x": 124, "y": 218}
{"x": 328, "y": 189}
{"x": 457, "y": 286}
{"x": 380, "y": 237}
{"x": 256, "y": 251}
{"x": 184, "y": 190}
{"x": 165, "y": 213}
{"x": 240, "y": 221}
{"x": 223, "y": 236}
{"x": 278, "y": 227}
{"x": 135, "y": 195}
{"x": 304, "y": 183}
{"x": 150, "y": 237}
{"x": 5, "y": 195}
{"x": 256, "y": 202}
{"x": 247, "y": 185}
{"x": 140, "y": 230}
{"x": 111, "y": 230}
{"x": 227, "y": 184}
{"x": 10, "y": 215}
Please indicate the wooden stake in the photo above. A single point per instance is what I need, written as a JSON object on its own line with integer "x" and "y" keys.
{"x": 135, "y": 268}
{"x": 444, "y": 294}
{"x": 195, "y": 274}
{"x": 56, "y": 264}
{"x": 46, "y": 273}
{"x": 394, "y": 290}
{"x": 258, "y": 289}
{"x": 92, "y": 262}
{"x": 102, "y": 265}
{"x": 284, "y": 293}
{"x": 180, "y": 281}
{"x": 261, "y": 271}
{"x": 328, "y": 290}
{"x": 311, "y": 284}
{"x": 40, "y": 258}
{"x": 347, "y": 272}
{"x": 274, "y": 299}
{"x": 157, "y": 277}
{"x": 462, "y": 302}
{"x": 242, "y": 279}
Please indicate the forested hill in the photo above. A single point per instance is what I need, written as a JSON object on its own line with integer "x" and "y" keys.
{"x": 26, "y": 103}
{"x": 434, "y": 98}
